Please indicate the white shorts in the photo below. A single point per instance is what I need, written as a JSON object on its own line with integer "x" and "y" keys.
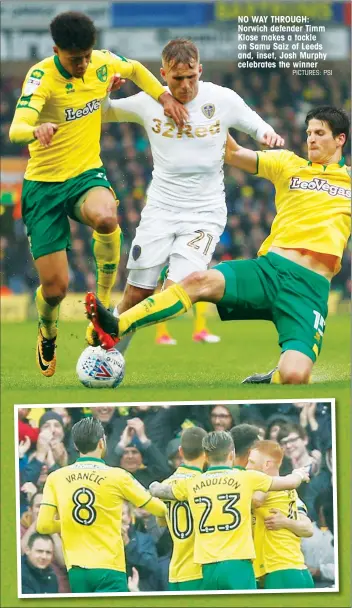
{"x": 185, "y": 240}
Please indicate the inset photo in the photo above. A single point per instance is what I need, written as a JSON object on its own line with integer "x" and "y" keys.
{"x": 176, "y": 498}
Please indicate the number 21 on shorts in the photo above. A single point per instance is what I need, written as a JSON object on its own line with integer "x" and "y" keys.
{"x": 201, "y": 235}
{"x": 319, "y": 322}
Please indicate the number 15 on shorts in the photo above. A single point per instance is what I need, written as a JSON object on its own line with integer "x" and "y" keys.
{"x": 319, "y": 322}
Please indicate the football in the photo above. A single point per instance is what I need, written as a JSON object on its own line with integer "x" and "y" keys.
{"x": 99, "y": 368}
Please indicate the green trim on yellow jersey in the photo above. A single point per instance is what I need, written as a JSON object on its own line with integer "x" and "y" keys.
{"x": 48, "y": 504}
{"x": 61, "y": 68}
{"x": 190, "y": 467}
{"x": 85, "y": 458}
{"x": 237, "y": 466}
{"x": 219, "y": 467}
{"x": 341, "y": 163}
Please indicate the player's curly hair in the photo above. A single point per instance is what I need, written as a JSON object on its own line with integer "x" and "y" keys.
{"x": 86, "y": 434}
{"x": 244, "y": 436}
{"x": 337, "y": 119}
{"x": 180, "y": 50}
{"x": 73, "y": 31}
{"x": 217, "y": 445}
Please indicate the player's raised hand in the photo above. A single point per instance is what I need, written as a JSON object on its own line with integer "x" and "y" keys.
{"x": 272, "y": 140}
{"x": 174, "y": 109}
{"x": 45, "y": 133}
{"x": 116, "y": 82}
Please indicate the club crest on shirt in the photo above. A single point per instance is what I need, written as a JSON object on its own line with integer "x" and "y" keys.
{"x": 208, "y": 110}
{"x": 102, "y": 73}
{"x": 136, "y": 252}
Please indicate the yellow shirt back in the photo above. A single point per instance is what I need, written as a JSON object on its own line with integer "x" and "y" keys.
{"x": 220, "y": 502}
{"x": 277, "y": 549}
{"x": 313, "y": 204}
{"x": 51, "y": 94}
{"x": 180, "y": 523}
{"x": 88, "y": 496}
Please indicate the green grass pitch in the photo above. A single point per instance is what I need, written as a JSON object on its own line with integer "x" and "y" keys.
{"x": 185, "y": 372}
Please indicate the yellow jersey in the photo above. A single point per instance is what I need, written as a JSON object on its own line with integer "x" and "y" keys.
{"x": 277, "y": 549}
{"x": 313, "y": 204}
{"x": 220, "y": 503}
{"x": 51, "y": 94}
{"x": 88, "y": 496}
{"x": 180, "y": 523}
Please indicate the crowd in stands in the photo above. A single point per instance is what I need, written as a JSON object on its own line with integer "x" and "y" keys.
{"x": 281, "y": 98}
{"x": 144, "y": 440}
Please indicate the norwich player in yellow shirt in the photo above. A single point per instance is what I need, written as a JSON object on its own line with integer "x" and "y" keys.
{"x": 59, "y": 116}
{"x": 289, "y": 282}
{"x": 279, "y": 525}
{"x": 83, "y": 503}
{"x": 220, "y": 501}
{"x": 184, "y": 573}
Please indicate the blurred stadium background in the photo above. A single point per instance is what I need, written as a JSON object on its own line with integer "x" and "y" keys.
{"x": 140, "y": 30}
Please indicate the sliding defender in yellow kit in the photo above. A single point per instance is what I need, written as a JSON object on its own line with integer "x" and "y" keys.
{"x": 59, "y": 116}
{"x": 289, "y": 282}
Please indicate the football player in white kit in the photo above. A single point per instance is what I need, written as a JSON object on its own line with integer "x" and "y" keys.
{"x": 185, "y": 212}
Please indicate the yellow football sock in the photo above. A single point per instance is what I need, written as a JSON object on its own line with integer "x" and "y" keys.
{"x": 161, "y": 330}
{"x": 200, "y": 323}
{"x": 276, "y": 378}
{"x": 48, "y": 315}
{"x": 168, "y": 304}
{"x": 106, "y": 251}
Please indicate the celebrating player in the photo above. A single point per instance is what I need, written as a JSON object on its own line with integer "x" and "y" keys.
{"x": 59, "y": 116}
{"x": 279, "y": 523}
{"x": 184, "y": 573}
{"x": 290, "y": 280}
{"x": 185, "y": 213}
{"x": 220, "y": 502}
{"x": 83, "y": 503}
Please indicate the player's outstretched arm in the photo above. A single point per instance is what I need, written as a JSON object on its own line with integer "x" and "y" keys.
{"x": 242, "y": 158}
{"x": 161, "y": 490}
{"x": 46, "y": 522}
{"x": 146, "y": 81}
{"x": 155, "y": 507}
{"x": 291, "y": 481}
{"x": 301, "y": 527}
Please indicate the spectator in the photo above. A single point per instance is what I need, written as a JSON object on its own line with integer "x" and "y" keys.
{"x": 319, "y": 549}
{"x": 28, "y": 528}
{"x": 224, "y": 417}
{"x": 50, "y": 452}
{"x": 112, "y": 429}
{"x": 38, "y": 577}
{"x": 140, "y": 552}
{"x": 294, "y": 440}
{"x": 139, "y": 456}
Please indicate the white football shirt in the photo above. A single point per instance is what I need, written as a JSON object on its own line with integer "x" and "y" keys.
{"x": 188, "y": 162}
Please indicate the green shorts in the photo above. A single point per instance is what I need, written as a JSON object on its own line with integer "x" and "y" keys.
{"x": 229, "y": 574}
{"x": 289, "y": 579}
{"x": 196, "y": 585}
{"x": 47, "y": 205}
{"x": 93, "y": 580}
{"x": 275, "y": 289}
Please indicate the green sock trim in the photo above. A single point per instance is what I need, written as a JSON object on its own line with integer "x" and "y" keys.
{"x": 156, "y": 316}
